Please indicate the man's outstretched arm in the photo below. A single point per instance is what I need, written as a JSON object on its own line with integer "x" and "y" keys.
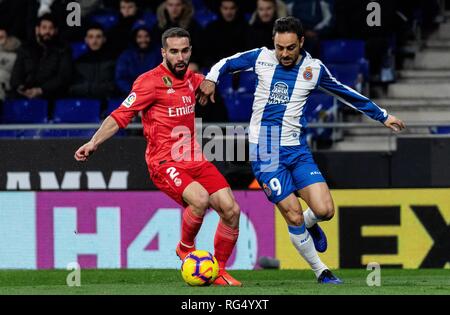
{"x": 108, "y": 129}
{"x": 350, "y": 97}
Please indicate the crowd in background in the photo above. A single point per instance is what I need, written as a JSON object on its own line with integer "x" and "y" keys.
{"x": 37, "y": 57}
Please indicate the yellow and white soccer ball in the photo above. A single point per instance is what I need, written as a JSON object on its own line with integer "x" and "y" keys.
{"x": 199, "y": 268}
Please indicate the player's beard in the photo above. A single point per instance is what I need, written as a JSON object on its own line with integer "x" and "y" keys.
{"x": 178, "y": 73}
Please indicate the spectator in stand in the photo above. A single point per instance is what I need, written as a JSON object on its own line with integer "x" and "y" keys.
{"x": 94, "y": 71}
{"x": 180, "y": 13}
{"x": 143, "y": 56}
{"x": 43, "y": 67}
{"x": 8, "y": 54}
{"x": 262, "y": 21}
{"x": 317, "y": 21}
{"x": 226, "y": 36}
{"x": 120, "y": 34}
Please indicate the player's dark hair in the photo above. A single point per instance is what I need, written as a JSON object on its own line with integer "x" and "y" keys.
{"x": 174, "y": 32}
{"x": 47, "y": 17}
{"x": 288, "y": 24}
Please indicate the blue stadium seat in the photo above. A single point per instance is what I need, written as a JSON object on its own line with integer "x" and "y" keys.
{"x": 198, "y": 5}
{"x": 106, "y": 19}
{"x": 77, "y": 111}
{"x": 320, "y": 107}
{"x": 148, "y": 20}
{"x": 78, "y": 49}
{"x": 204, "y": 17}
{"x": 111, "y": 105}
{"x": 346, "y": 73}
{"x": 342, "y": 51}
{"x": 440, "y": 130}
{"x": 74, "y": 111}
{"x": 247, "y": 82}
{"x": 239, "y": 106}
{"x": 23, "y": 111}
{"x": 225, "y": 85}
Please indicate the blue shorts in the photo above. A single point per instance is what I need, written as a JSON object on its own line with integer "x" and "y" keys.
{"x": 280, "y": 175}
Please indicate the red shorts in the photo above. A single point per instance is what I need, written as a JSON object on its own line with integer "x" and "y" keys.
{"x": 173, "y": 177}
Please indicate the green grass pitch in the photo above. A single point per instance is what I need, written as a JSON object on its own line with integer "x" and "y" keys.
{"x": 256, "y": 282}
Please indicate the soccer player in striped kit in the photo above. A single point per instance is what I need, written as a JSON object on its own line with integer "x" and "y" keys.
{"x": 280, "y": 157}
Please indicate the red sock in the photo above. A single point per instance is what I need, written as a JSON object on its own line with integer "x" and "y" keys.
{"x": 189, "y": 227}
{"x": 224, "y": 242}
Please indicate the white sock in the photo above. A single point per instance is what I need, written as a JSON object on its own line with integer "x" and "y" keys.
{"x": 310, "y": 218}
{"x": 305, "y": 246}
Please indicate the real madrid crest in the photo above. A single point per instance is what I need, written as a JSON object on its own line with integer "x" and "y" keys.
{"x": 308, "y": 74}
{"x": 167, "y": 81}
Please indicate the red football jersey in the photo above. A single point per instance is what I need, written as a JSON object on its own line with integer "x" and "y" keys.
{"x": 168, "y": 115}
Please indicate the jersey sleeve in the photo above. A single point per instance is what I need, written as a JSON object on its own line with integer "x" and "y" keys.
{"x": 198, "y": 78}
{"x": 348, "y": 96}
{"x": 142, "y": 95}
{"x": 238, "y": 62}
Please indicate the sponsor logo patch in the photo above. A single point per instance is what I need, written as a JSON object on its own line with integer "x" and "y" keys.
{"x": 129, "y": 100}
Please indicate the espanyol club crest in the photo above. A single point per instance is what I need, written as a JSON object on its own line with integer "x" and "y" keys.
{"x": 267, "y": 190}
{"x": 307, "y": 74}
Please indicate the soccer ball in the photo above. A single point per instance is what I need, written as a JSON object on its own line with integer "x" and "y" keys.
{"x": 199, "y": 268}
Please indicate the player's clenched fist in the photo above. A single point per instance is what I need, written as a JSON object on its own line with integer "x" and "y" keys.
{"x": 207, "y": 89}
{"x": 84, "y": 151}
{"x": 394, "y": 123}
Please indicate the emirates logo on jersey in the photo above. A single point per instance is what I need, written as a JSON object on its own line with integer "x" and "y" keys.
{"x": 279, "y": 94}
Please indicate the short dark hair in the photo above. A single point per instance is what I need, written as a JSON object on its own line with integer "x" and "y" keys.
{"x": 95, "y": 26}
{"x": 174, "y": 32}
{"x": 288, "y": 24}
{"x": 47, "y": 17}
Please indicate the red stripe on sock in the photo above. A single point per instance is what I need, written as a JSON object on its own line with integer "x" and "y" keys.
{"x": 224, "y": 242}
{"x": 190, "y": 226}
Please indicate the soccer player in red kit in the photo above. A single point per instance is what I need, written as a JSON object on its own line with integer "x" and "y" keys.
{"x": 166, "y": 97}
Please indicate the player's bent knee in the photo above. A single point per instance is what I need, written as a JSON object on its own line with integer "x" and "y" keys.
{"x": 200, "y": 203}
{"x": 326, "y": 212}
{"x": 231, "y": 213}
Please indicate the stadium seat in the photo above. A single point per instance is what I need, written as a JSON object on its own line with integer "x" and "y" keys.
{"x": 74, "y": 111}
{"x": 247, "y": 82}
{"x": 225, "y": 85}
{"x": 111, "y": 105}
{"x": 204, "y": 17}
{"x": 149, "y": 19}
{"x": 77, "y": 111}
{"x": 239, "y": 106}
{"x": 348, "y": 74}
{"x": 107, "y": 19}
{"x": 320, "y": 107}
{"x": 342, "y": 51}
{"x": 24, "y": 111}
{"x": 78, "y": 49}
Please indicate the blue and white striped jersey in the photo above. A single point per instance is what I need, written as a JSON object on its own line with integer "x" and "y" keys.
{"x": 281, "y": 93}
